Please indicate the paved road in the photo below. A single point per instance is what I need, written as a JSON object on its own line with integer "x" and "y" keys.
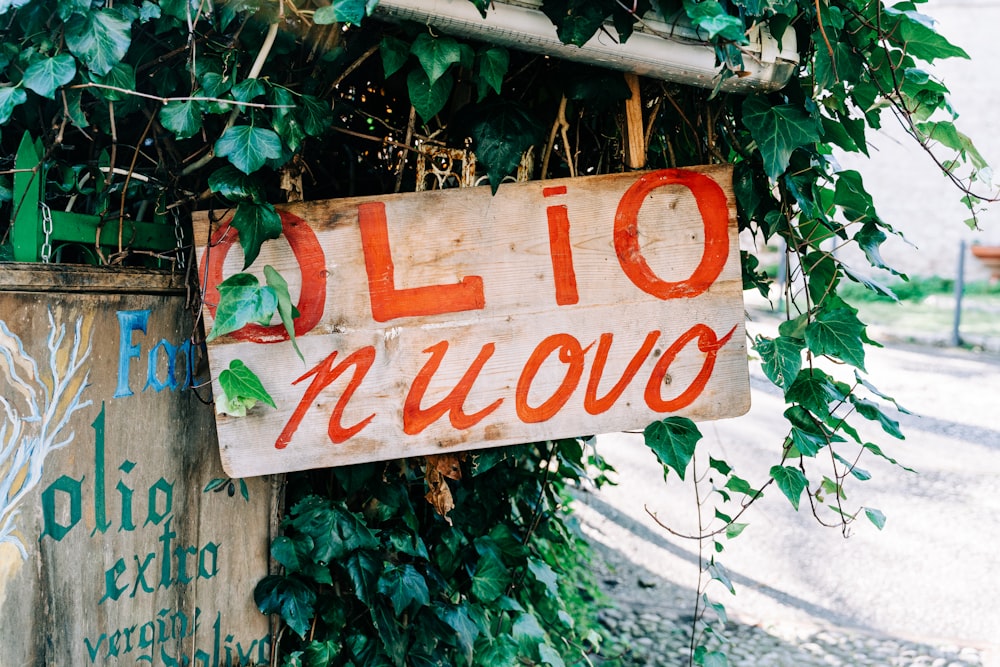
{"x": 930, "y": 576}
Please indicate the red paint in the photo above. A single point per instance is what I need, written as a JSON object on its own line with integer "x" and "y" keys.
{"x": 389, "y": 303}
{"x": 312, "y": 265}
{"x": 570, "y": 353}
{"x": 707, "y": 343}
{"x": 324, "y": 373}
{"x": 562, "y": 256}
{"x": 594, "y": 405}
{"x": 714, "y": 211}
{"x": 416, "y": 419}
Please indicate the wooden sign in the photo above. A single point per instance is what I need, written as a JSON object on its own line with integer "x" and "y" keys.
{"x": 111, "y": 552}
{"x": 453, "y": 319}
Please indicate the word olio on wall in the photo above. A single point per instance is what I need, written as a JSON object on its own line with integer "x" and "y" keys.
{"x": 453, "y": 319}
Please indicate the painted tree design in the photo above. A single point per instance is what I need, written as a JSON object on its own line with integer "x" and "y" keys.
{"x": 37, "y": 404}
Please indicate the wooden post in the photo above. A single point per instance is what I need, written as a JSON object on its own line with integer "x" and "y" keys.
{"x": 635, "y": 147}
{"x": 111, "y": 550}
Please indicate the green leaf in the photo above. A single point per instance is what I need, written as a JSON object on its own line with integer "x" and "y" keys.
{"x": 428, "y": 99}
{"x": 575, "y": 21}
{"x": 713, "y": 19}
{"x": 363, "y": 568}
{"x": 719, "y": 573}
{"x": 814, "y": 390}
{"x": 465, "y": 628}
{"x": 289, "y": 597}
{"x": 837, "y": 333}
{"x": 10, "y": 97}
{"x": 394, "y": 52}
{"x": 740, "y": 485}
{"x": 734, "y": 529}
{"x": 673, "y": 440}
{"x": 248, "y": 147}
{"x": 781, "y": 358}
{"x": 248, "y": 90}
{"x": 876, "y": 517}
{"x": 242, "y": 300}
{"x": 99, "y": 37}
{"x": 791, "y": 481}
{"x": 238, "y": 381}
{"x": 545, "y": 575}
{"x": 873, "y": 412}
{"x": 233, "y": 184}
{"x": 181, "y": 118}
{"x": 721, "y": 466}
{"x": 48, "y": 74}
{"x": 778, "y": 131}
{"x": 915, "y": 32}
{"x": 715, "y": 659}
{"x": 405, "y": 587}
{"x": 285, "y": 307}
{"x": 493, "y": 64}
{"x": 283, "y": 551}
{"x": 344, "y": 11}
{"x": 121, "y": 77}
{"x": 501, "y": 132}
{"x": 491, "y": 577}
{"x": 256, "y": 223}
{"x": 436, "y": 54}
{"x": 550, "y": 656}
{"x": 320, "y": 653}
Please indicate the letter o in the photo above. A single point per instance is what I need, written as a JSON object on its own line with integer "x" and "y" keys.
{"x": 570, "y": 353}
{"x": 714, "y": 211}
{"x": 312, "y": 264}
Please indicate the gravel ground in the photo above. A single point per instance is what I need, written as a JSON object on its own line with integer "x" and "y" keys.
{"x": 649, "y": 622}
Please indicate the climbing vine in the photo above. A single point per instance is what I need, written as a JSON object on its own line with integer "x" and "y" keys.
{"x": 151, "y": 110}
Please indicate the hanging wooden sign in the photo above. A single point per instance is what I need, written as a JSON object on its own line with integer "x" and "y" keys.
{"x": 454, "y": 319}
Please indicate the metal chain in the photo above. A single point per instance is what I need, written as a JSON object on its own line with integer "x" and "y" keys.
{"x": 179, "y": 237}
{"x": 47, "y": 230}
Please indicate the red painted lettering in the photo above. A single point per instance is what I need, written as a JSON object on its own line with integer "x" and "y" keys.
{"x": 389, "y": 303}
{"x": 570, "y": 353}
{"x": 595, "y": 405}
{"x": 325, "y": 373}
{"x": 561, "y": 250}
{"x": 312, "y": 265}
{"x": 714, "y": 211}
{"x": 707, "y": 343}
{"x": 416, "y": 419}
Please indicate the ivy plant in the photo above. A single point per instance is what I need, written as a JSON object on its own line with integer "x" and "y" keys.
{"x": 176, "y": 105}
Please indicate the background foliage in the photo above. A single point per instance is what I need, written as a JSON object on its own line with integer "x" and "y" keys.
{"x": 182, "y": 104}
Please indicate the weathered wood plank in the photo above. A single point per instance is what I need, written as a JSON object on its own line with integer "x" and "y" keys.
{"x": 110, "y": 551}
{"x": 502, "y": 307}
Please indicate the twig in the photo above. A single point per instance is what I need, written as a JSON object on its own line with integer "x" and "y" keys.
{"x": 189, "y": 98}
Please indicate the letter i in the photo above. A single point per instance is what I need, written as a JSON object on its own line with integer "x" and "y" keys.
{"x": 561, "y": 250}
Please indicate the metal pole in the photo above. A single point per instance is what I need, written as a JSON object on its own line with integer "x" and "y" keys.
{"x": 956, "y": 337}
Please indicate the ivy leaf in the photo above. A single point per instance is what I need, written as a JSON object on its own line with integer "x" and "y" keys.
{"x": 394, "y": 52}
{"x": 869, "y": 238}
{"x": 436, "y": 54}
{"x": 289, "y": 597}
{"x": 673, "y": 440}
{"x": 100, "y": 38}
{"x": 915, "y": 32}
{"x": 778, "y": 131}
{"x": 248, "y": 147}
{"x": 344, "y": 11}
{"x": 493, "y": 64}
{"x": 873, "y": 412}
{"x": 122, "y": 78}
{"x": 791, "y": 481}
{"x": 806, "y": 442}
{"x": 233, "y": 184}
{"x": 46, "y": 75}
{"x": 465, "y": 628}
{"x": 712, "y": 18}
{"x": 242, "y": 300}
{"x": 545, "y": 575}
{"x": 575, "y": 21}
{"x": 718, "y": 572}
{"x": 428, "y": 99}
{"x": 814, "y": 390}
{"x": 238, "y": 381}
{"x": 10, "y": 97}
{"x": 286, "y": 310}
{"x": 405, "y": 587}
{"x": 837, "y": 333}
{"x": 550, "y": 656}
{"x": 781, "y": 358}
{"x": 181, "y": 118}
{"x": 876, "y": 517}
{"x": 501, "y": 132}
{"x": 363, "y": 568}
{"x": 256, "y": 223}
{"x": 491, "y": 578}
{"x": 283, "y": 551}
